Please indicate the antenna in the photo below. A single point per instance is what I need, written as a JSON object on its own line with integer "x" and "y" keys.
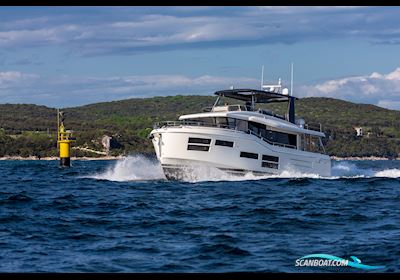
{"x": 291, "y": 82}
{"x": 262, "y": 77}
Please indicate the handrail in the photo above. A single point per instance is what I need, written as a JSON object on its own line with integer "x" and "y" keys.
{"x": 192, "y": 123}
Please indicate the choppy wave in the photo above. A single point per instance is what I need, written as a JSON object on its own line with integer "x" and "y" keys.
{"x": 161, "y": 226}
{"x": 140, "y": 168}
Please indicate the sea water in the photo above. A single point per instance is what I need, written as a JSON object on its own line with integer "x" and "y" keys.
{"x": 123, "y": 216}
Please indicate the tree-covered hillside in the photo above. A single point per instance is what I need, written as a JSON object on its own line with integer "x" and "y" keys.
{"x": 31, "y": 130}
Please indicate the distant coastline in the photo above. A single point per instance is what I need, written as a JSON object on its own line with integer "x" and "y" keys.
{"x": 129, "y": 122}
{"x": 122, "y": 157}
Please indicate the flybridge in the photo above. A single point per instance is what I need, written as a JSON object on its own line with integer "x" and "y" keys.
{"x": 254, "y": 95}
{"x": 267, "y": 94}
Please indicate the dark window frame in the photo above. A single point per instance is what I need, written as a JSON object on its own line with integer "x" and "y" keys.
{"x": 198, "y": 148}
{"x": 224, "y": 143}
{"x": 248, "y": 155}
{"x": 271, "y": 165}
{"x": 270, "y": 158}
{"x": 195, "y": 140}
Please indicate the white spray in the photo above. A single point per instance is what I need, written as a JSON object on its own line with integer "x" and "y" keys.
{"x": 132, "y": 168}
{"x": 140, "y": 168}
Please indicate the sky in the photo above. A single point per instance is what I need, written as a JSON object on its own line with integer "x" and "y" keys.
{"x": 71, "y": 56}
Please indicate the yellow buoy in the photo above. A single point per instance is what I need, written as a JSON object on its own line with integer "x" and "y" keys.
{"x": 64, "y": 141}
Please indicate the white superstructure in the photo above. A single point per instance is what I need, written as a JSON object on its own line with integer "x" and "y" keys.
{"x": 240, "y": 138}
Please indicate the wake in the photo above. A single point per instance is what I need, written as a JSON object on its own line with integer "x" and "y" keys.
{"x": 350, "y": 170}
{"x": 140, "y": 168}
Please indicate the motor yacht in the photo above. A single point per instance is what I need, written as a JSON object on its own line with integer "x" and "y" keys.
{"x": 240, "y": 138}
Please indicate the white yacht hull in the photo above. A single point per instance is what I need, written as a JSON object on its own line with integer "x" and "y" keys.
{"x": 171, "y": 147}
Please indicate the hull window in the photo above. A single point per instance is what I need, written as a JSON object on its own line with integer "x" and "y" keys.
{"x": 199, "y": 140}
{"x": 269, "y": 165}
{"x": 198, "y": 148}
{"x": 270, "y": 158}
{"x": 223, "y": 143}
{"x": 248, "y": 155}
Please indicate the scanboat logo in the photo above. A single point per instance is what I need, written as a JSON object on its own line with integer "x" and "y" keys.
{"x": 329, "y": 260}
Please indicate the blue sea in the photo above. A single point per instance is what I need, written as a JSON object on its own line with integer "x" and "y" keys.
{"x": 123, "y": 216}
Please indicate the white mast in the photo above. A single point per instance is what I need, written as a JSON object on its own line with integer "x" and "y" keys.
{"x": 291, "y": 82}
{"x": 262, "y": 77}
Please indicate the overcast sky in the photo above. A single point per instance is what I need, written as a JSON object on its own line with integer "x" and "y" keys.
{"x": 68, "y": 56}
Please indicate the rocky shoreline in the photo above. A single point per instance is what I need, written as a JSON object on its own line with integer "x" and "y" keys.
{"x": 361, "y": 158}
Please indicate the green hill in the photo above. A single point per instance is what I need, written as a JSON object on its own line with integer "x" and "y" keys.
{"x": 27, "y": 129}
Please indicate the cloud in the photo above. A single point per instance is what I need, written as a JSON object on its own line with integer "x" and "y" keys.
{"x": 130, "y": 31}
{"x": 63, "y": 91}
{"x": 380, "y": 89}
{"x": 12, "y": 79}
{"x": 296, "y": 9}
{"x": 26, "y": 38}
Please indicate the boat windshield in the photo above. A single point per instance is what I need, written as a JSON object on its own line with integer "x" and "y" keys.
{"x": 237, "y": 108}
{"x": 225, "y": 108}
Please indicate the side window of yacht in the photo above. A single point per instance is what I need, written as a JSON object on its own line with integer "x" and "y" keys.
{"x": 270, "y": 136}
{"x": 253, "y": 127}
{"x": 193, "y": 121}
{"x": 201, "y": 121}
{"x": 208, "y": 121}
{"x": 286, "y": 138}
{"x": 281, "y": 138}
{"x": 221, "y": 122}
{"x": 231, "y": 122}
{"x": 257, "y": 128}
{"x": 293, "y": 140}
{"x": 241, "y": 125}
